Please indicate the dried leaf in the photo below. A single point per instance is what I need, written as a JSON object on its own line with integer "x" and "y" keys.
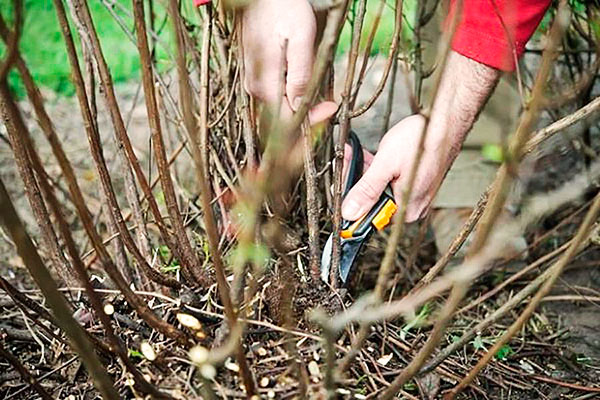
{"x": 526, "y": 366}
{"x": 384, "y": 360}
{"x": 429, "y": 385}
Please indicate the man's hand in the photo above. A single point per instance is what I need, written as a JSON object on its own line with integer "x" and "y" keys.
{"x": 392, "y": 164}
{"x": 267, "y": 24}
{"x": 464, "y": 89}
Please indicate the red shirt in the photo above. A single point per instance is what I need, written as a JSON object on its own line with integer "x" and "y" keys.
{"x": 494, "y": 32}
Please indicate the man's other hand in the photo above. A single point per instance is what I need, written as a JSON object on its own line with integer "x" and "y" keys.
{"x": 267, "y": 24}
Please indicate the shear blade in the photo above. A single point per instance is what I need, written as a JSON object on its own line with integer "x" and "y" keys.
{"x": 326, "y": 259}
{"x": 349, "y": 251}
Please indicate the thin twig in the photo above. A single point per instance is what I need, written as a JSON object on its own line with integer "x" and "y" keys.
{"x": 555, "y": 272}
{"x": 27, "y": 377}
{"x": 344, "y": 123}
{"x": 205, "y": 192}
{"x": 312, "y": 204}
{"x": 84, "y": 213}
{"x": 56, "y": 301}
{"x": 388, "y": 65}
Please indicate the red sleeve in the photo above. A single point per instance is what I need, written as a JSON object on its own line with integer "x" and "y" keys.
{"x": 199, "y": 3}
{"x": 494, "y": 32}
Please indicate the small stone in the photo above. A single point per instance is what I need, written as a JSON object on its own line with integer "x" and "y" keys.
{"x": 261, "y": 351}
{"x": 271, "y": 394}
{"x": 264, "y": 382}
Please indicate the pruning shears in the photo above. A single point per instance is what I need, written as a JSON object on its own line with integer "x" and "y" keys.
{"x": 354, "y": 234}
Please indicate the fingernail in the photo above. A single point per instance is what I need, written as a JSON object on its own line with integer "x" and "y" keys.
{"x": 350, "y": 210}
{"x": 296, "y": 103}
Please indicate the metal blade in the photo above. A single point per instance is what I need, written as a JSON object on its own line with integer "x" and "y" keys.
{"x": 350, "y": 250}
{"x": 326, "y": 259}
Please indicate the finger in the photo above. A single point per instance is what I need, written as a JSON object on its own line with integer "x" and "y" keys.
{"x": 347, "y": 158}
{"x": 262, "y": 82}
{"x": 367, "y": 158}
{"x": 322, "y": 112}
{"x": 299, "y": 65}
{"x": 367, "y": 190}
{"x": 262, "y": 79}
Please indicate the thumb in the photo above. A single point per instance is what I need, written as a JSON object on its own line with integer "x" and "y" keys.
{"x": 322, "y": 112}
{"x": 367, "y": 190}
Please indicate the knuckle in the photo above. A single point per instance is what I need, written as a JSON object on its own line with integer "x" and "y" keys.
{"x": 298, "y": 76}
{"x": 295, "y": 88}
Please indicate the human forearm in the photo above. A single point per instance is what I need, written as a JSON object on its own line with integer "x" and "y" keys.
{"x": 489, "y": 38}
{"x": 464, "y": 89}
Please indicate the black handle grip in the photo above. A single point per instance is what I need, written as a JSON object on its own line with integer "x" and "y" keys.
{"x": 357, "y": 162}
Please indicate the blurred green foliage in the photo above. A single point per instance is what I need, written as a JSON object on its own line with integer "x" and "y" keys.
{"x": 383, "y": 37}
{"x": 493, "y": 153}
{"x": 44, "y": 51}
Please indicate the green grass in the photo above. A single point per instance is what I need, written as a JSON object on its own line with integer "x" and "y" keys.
{"x": 44, "y": 51}
{"x": 383, "y": 36}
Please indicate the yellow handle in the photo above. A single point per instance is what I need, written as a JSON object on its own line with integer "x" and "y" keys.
{"x": 383, "y": 217}
{"x": 347, "y": 233}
